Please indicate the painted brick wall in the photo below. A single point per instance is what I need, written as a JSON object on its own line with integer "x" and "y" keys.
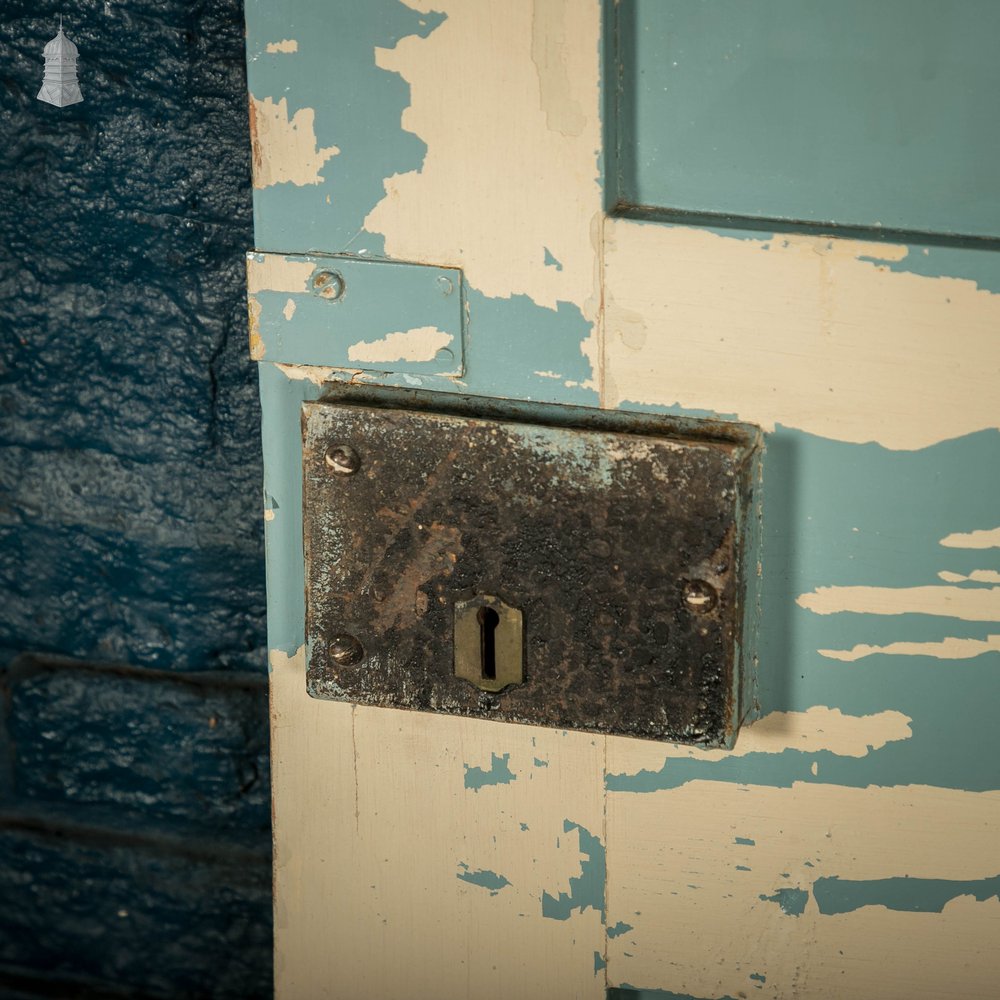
{"x": 134, "y": 818}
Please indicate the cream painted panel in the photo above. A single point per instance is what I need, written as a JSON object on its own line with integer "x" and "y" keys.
{"x": 376, "y": 828}
{"x": 693, "y": 894}
{"x": 507, "y": 98}
{"x": 808, "y": 332}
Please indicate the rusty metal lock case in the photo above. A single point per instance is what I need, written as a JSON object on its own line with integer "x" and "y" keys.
{"x": 626, "y": 541}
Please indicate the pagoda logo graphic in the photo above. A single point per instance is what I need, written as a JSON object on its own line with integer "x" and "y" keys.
{"x": 60, "y": 86}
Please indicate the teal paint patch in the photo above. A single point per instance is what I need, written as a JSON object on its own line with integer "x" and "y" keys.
{"x": 743, "y": 868}
{"x": 519, "y": 350}
{"x": 746, "y": 841}
{"x": 587, "y": 888}
{"x": 757, "y": 977}
{"x": 792, "y": 901}
{"x": 524, "y": 826}
{"x": 977, "y": 264}
{"x": 483, "y": 878}
{"x": 499, "y": 773}
{"x": 540, "y": 763}
{"x": 914, "y": 895}
{"x": 364, "y": 121}
{"x": 693, "y": 78}
{"x": 358, "y": 314}
{"x": 281, "y": 440}
{"x": 600, "y": 963}
{"x": 550, "y": 261}
{"x": 620, "y": 928}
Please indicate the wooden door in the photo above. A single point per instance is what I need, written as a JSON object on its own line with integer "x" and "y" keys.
{"x": 848, "y": 846}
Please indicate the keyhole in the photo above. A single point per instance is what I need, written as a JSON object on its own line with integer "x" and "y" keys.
{"x": 488, "y": 621}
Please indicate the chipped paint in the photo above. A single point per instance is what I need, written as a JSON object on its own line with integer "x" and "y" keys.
{"x": 914, "y": 895}
{"x": 309, "y": 373}
{"x": 285, "y": 150}
{"x": 587, "y": 888}
{"x": 798, "y": 331}
{"x": 419, "y": 344}
{"x": 485, "y": 879}
{"x": 498, "y": 773}
{"x": 273, "y": 272}
{"x": 792, "y": 902}
{"x": 289, "y": 311}
{"x": 964, "y": 603}
{"x": 285, "y": 45}
{"x": 976, "y": 576}
{"x": 545, "y": 202}
{"x": 985, "y": 539}
{"x": 947, "y": 649}
{"x": 619, "y": 928}
{"x": 803, "y": 834}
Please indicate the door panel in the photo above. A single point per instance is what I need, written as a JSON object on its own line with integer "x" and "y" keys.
{"x": 846, "y": 845}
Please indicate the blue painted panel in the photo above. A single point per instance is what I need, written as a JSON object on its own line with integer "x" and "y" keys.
{"x": 357, "y": 313}
{"x": 851, "y": 113}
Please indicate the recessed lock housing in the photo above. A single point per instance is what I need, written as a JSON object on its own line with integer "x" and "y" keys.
{"x": 548, "y": 565}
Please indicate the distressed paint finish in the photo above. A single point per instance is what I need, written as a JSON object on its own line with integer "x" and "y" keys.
{"x": 847, "y": 845}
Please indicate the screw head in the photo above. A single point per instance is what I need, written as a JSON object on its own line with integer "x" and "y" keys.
{"x": 328, "y": 284}
{"x": 445, "y": 285}
{"x": 343, "y": 459}
{"x": 345, "y": 650}
{"x": 700, "y": 597}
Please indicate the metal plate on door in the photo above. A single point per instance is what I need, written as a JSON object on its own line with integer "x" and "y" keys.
{"x": 536, "y": 564}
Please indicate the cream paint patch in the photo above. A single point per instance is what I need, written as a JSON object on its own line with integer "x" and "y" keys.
{"x": 285, "y": 45}
{"x": 976, "y": 576}
{"x": 371, "y": 812}
{"x": 987, "y": 539}
{"x": 268, "y": 515}
{"x": 273, "y": 272}
{"x": 289, "y": 311}
{"x": 257, "y": 348}
{"x": 690, "y": 866}
{"x": 798, "y": 331}
{"x": 313, "y": 373}
{"x": 422, "y": 343}
{"x": 977, "y": 604}
{"x": 512, "y": 167}
{"x": 947, "y": 649}
{"x": 285, "y": 150}
{"x": 818, "y": 728}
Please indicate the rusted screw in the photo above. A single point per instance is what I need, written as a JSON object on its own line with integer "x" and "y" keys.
{"x": 700, "y": 597}
{"x": 346, "y": 651}
{"x": 328, "y": 284}
{"x": 343, "y": 459}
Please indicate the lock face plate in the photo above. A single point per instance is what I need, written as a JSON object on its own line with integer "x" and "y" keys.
{"x": 618, "y": 539}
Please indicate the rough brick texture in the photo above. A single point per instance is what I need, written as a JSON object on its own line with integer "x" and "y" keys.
{"x": 130, "y": 532}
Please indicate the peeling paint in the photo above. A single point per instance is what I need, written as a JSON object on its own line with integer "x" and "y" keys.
{"x": 986, "y": 539}
{"x": 419, "y": 344}
{"x": 791, "y": 901}
{"x": 285, "y": 45}
{"x": 619, "y": 928}
{"x": 289, "y": 311}
{"x": 499, "y": 773}
{"x": 916, "y": 895}
{"x": 485, "y": 879}
{"x": 798, "y": 331}
{"x": 587, "y": 888}
{"x": 976, "y": 605}
{"x": 285, "y": 150}
{"x": 976, "y": 576}
{"x": 543, "y": 202}
{"x": 946, "y": 649}
{"x": 276, "y": 273}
